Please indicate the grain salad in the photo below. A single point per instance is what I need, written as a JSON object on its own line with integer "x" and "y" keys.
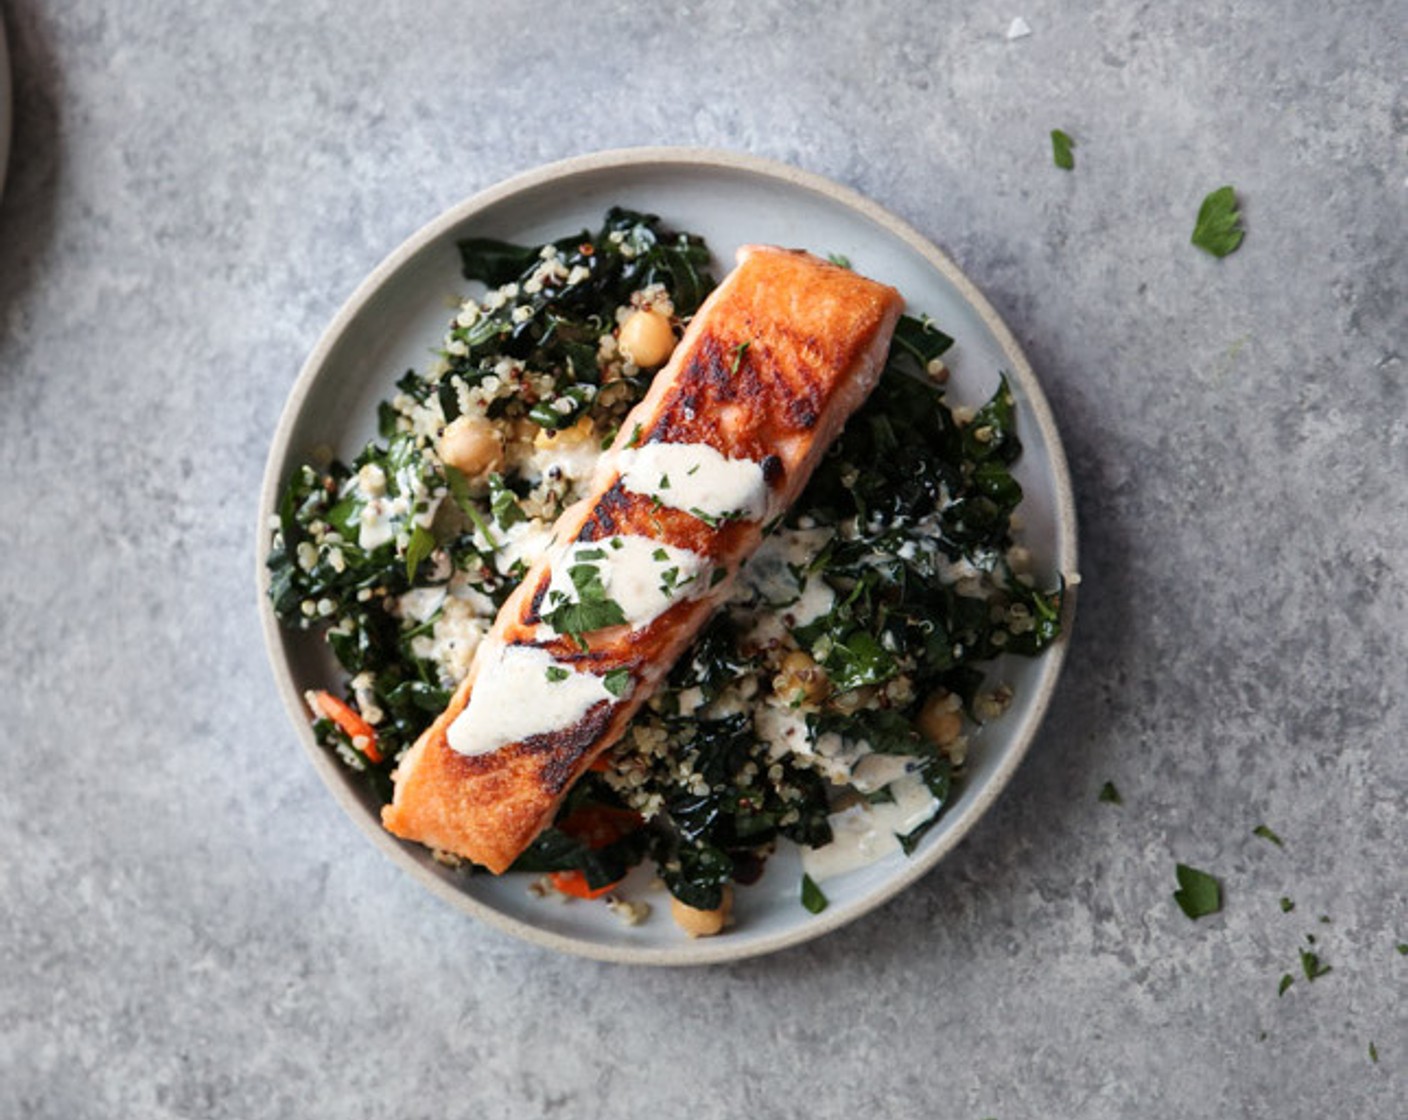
{"x": 830, "y": 702}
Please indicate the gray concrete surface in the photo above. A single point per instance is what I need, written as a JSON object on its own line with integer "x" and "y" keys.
{"x": 190, "y": 928}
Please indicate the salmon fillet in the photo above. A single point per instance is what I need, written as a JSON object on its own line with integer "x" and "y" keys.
{"x": 770, "y": 368}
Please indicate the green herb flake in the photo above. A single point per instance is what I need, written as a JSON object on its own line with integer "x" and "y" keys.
{"x": 812, "y": 897}
{"x": 720, "y": 574}
{"x": 661, "y": 555}
{"x": 664, "y": 482}
{"x": 1061, "y": 154}
{"x": 617, "y": 544}
{"x": 1324, "y": 919}
{"x": 1199, "y": 893}
{"x": 1373, "y": 1053}
{"x": 1403, "y": 948}
{"x": 840, "y": 260}
{"x": 1108, "y": 793}
{"x": 1266, "y": 834}
{"x": 557, "y": 673}
{"x": 1218, "y": 229}
{"x": 617, "y": 682}
{"x": 634, "y": 441}
{"x": 738, "y": 353}
{"x": 1312, "y": 966}
{"x": 1286, "y": 981}
{"x": 1287, "y": 905}
{"x": 593, "y": 609}
{"x": 590, "y": 554}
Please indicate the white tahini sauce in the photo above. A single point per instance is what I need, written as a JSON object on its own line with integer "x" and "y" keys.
{"x": 643, "y": 576}
{"x": 777, "y": 588}
{"x": 695, "y": 477}
{"x": 383, "y": 516}
{"x": 864, "y": 833}
{"x": 516, "y": 697}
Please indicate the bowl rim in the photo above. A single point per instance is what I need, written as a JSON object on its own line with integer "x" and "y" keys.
{"x": 7, "y": 105}
{"x": 957, "y": 826}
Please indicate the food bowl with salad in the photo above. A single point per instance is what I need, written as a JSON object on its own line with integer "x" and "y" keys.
{"x": 864, "y": 681}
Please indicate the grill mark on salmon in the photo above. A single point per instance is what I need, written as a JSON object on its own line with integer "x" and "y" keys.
{"x": 777, "y": 358}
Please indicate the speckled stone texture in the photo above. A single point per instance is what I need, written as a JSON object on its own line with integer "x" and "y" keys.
{"x": 190, "y": 926}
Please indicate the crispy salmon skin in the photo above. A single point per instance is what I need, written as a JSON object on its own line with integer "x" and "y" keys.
{"x": 770, "y": 368}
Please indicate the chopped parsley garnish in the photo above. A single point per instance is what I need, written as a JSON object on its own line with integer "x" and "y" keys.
{"x": 1312, "y": 966}
{"x": 1286, "y": 981}
{"x": 583, "y": 554}
{"x": 812, "y": 897}
{"x": 1266, "y": 834}
{"x": 739, "y": 351}
{"x": 592, "y": 611}
{"x": 840, "y": 260}
{"x": 617, "y": 543}
{"x": 661, "y": 555}
{"x": 670, "y": 582}
{"x": 1373, "y": 1053}
{"x": 1403, "y": 948}
{"x": 1218, "y": 229}
{"x": 1287, "y": 905}
{"x": 1110, "y": 794}
{"x": 1199, "y": 893}
{"x": 617, "y": 682}
{"x": 664, "y": 482}
{"x": 634, "y": 441}
{"x": 1061, "y": 154}
{"x": 557, "y": 673}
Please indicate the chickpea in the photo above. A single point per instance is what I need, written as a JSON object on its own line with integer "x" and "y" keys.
{"x": 702, "y": 923}
{"x": 647, "y": 339}
{"x": 801, "y": 679}
{"x": 472, "y": 445}
{"x": 579, "y": 432}
{"x": 941, "y": 719}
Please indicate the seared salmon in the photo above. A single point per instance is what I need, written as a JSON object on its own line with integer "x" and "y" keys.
{"x": 768, "y": 371}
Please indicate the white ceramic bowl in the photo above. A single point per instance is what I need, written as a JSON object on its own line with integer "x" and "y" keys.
{"x": 399, "y": 314}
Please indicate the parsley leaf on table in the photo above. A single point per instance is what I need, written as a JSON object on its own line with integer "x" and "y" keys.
{"x": 1218, "y": 229}
{"x": 1312, "y": 966}
{"x": 1199, "y": 893}
{"x": 1266, "y": 834}
{"x": 1061, "y": 154}
{"x": 1109, "y": 793}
